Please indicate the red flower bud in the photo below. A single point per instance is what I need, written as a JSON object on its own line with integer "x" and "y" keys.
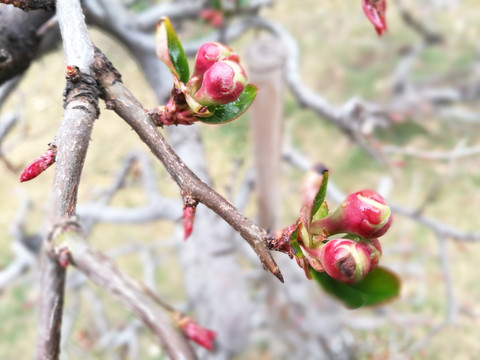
{"x": 375, "y": 12}
{"x": 202, "y": 336}
{"x": 209, "y": 54}
{"x": 188, "y": 219}
{"x": 364, "y": 213}
{"x": 39, "y": 165}
{"x": 345, "y": 260}
{"x": 213, "y": 17}
{"x": 222, "y": 83}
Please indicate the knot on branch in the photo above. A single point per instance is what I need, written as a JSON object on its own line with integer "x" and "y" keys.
{"x": 105, "y": 73}
{"x": 81, "y": 86}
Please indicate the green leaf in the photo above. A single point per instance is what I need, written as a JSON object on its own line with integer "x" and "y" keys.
{"x": 231, "y": 111}
{"x": 320, "y": 197}
{"x": 170, "y": 50}
{"x": 294, "y": 243}
{"x": 379, "y": 286}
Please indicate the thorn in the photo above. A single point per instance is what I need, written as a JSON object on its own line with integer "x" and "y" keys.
{"x": 278, "y": 275}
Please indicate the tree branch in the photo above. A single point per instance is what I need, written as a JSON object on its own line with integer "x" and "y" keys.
{"x": 119, "y": 99}
{"x": 81, "y": 110}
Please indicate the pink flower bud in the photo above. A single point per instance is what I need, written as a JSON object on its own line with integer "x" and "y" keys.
{"x": 202, "y": 336}
{"x": 222, "y": 83}
{"x": 209, "y": 54}
{"x": 364, "y": 213}
{"x": 375, "y": 12}
{"x": 345, "y": 260}
{"x": 39, "y": 165}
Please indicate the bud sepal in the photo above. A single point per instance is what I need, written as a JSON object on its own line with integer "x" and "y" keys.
{"x": 170, "y": 51}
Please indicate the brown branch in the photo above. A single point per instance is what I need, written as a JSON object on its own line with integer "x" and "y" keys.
{"x": 51, "y": 309}
{"x": 119, "y": 99}
{"x": 72, "y": 140}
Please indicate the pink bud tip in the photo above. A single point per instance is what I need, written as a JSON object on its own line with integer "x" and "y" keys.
{"x": 188, "y": 219}
{"x": 345, "y": 260}
{"x": 222, "y": 83}
{"x": 202, "y": 336}
{"x": 38, "y": 166}
{"x": 375, "y": 12}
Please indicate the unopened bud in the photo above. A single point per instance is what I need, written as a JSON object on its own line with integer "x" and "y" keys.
{"x": 39, "y": 165}
{"x": 188, "y": 219}
{"x": 209, "y": 54}
{"x": 192, "y": 330}
{"x": 345, "y": 260}
{"x": 375, "y": 12}
{"x": 364, "y": 213}
{"x": 222, "y": 83}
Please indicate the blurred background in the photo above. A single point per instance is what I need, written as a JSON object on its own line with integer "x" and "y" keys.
{"x": 398, "y": 114}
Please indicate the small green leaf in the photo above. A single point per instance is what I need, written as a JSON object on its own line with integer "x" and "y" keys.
{"x": 294, "y": 243}
{"x": 231, "y": 111}
{"x": 320, "y": 197}
{"x": 170, "y": 50}
{"x": 379, "y": 286}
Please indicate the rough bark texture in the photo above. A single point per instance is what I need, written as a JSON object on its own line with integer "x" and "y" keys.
{"x": 19, "y": 41}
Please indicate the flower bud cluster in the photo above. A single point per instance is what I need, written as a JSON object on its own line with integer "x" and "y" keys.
{"x": 344, "y": 242}
{"x": 363, "y": 216}
{"x": 218, "y": 79}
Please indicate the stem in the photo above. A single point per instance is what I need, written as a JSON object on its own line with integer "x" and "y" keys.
{"x": 73, "y": 136}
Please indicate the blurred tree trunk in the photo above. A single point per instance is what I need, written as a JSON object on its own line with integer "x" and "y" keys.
{"x": 265, "y": 58}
